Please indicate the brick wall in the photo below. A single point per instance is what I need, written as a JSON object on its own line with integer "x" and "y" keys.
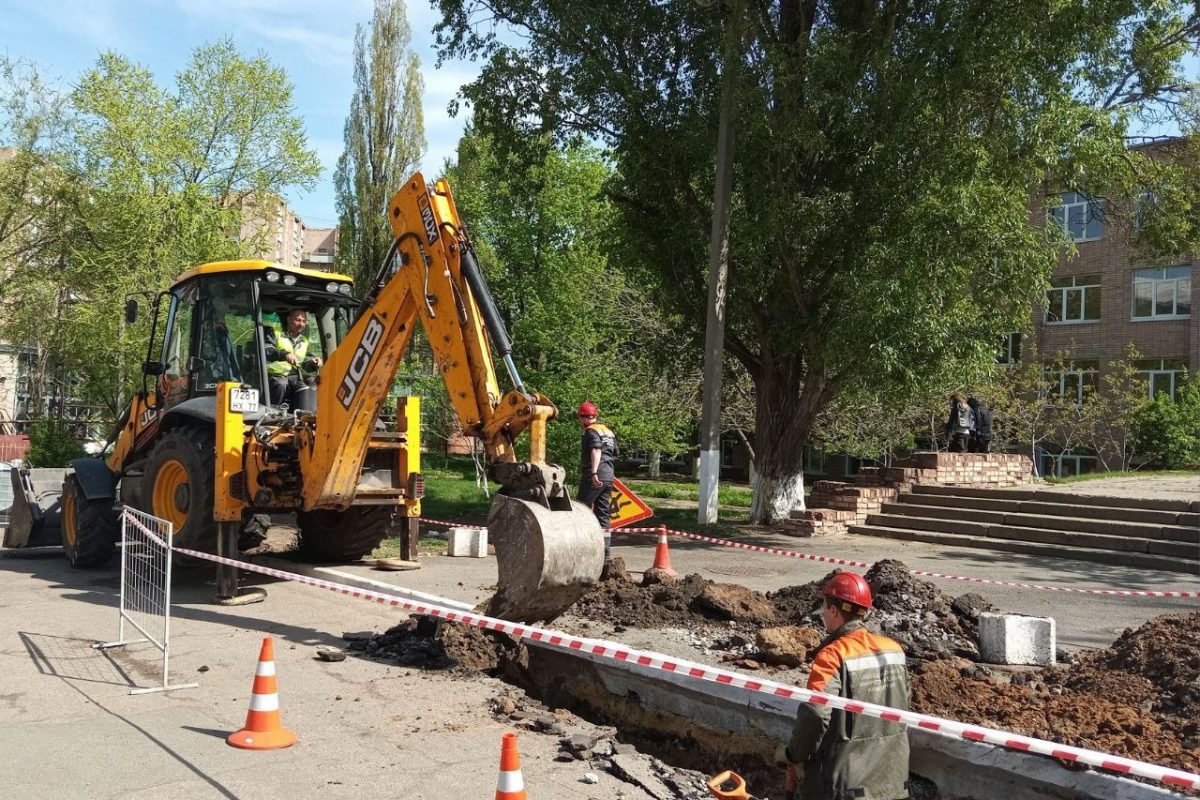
{"x": 833, "y": 505}
{"x": 1114, "y": 259}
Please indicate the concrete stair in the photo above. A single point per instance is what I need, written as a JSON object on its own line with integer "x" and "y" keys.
{"x": 1154, "y": 534}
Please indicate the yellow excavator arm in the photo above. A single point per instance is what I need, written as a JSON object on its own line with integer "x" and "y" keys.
{"x": 430, "y": 277}
{"x": 549, "y": 549}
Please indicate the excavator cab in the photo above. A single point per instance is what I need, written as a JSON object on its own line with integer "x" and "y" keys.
{"x": 221, "y": 324}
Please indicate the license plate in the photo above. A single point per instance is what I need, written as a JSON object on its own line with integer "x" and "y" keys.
{"x": 243, "y": 401}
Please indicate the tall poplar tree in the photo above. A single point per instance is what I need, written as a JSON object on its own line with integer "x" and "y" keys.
{"x": 384, "y": 136}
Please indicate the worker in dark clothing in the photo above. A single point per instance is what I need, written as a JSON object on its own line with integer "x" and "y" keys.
{"x": 287, "y": 355}
{"x": 981, "y": 437}
{"x": 844, "y": 755}
{"x": 597, "y": 451}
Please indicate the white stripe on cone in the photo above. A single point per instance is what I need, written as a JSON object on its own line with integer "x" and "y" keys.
{"x": 264, "y": 702}
{"x": 265, "y": 669}
{"x": 511, "y": 782}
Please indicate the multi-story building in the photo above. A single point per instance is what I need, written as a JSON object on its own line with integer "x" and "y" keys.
{"x": 320, "y": 247}
{"x": 1105, "y": 295}
{"x": 275, "y": 231}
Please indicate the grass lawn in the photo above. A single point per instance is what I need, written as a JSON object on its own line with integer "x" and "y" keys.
{"x": 451, "y": 494}
{"x": 1094, "y": 476}
{"x": 727, "y": 494}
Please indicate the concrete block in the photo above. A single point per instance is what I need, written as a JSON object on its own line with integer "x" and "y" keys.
{"x": 467, "y": 542}
{"x": 1016, "y": 639}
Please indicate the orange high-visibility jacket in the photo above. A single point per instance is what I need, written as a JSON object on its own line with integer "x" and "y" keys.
{"x": 852, "y": 756}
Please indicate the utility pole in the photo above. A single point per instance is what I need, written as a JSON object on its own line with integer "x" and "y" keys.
{"x": 718, "y": 273}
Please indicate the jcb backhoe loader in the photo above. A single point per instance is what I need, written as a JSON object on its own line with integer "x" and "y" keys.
{"x": 206, "y": 449}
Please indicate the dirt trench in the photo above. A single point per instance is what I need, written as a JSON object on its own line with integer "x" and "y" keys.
{"x": 1139, "y": 698}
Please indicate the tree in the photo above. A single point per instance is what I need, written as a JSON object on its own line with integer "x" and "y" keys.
{"x": 384, "y": 138}
{"x": 541, "y": 228}
{"x": 885, "y": 160}
{"x": 1110, "y": 412}
{"x": 150, "y": 181}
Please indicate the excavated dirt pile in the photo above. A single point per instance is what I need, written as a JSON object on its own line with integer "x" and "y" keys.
{"x": 927, "y": 622}
{"x": 1139, "y": 698}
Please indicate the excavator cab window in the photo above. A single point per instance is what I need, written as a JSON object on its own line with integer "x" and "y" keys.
{"x": 330, "y": 314}
{"x": 209, "y": 325}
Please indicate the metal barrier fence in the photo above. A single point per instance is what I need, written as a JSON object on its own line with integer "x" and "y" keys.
{"x": 146, "y": 588}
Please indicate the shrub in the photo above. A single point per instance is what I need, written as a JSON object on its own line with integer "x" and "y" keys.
{"x": 51, "y": 444}
{"x": 1169, "y": 432}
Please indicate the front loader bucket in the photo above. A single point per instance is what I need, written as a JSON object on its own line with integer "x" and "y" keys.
{"x": 546, "y": 559}
{"x": 36, "y": 517}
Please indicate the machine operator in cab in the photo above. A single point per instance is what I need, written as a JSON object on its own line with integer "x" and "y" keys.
{"x": 287, "y": 357}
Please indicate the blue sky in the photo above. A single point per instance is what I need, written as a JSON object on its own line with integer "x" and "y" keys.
{"x": 312, "y": 40}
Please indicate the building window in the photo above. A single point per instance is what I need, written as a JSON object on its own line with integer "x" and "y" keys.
{"x": 1010, "y": 350}
{"x": 1073, "y": 381}
{"x": 728, "y": 448}
{"x": 1146, "y": 206}
{"x": 1162, "y": 293}
{"x": 1081, "y": 217}
{"x": 1064, "y": 465}
{"x": 1073, "y": 299}
{"x": 1162, "y": 376}
{"x": 814, "y": 460}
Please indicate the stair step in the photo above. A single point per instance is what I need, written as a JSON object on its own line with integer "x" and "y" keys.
{"x": 1040, "y": 535}
{"x": 1060, "y": 498}
{"x": 1120, "y": 558}
{"x": 1098, "y": 524}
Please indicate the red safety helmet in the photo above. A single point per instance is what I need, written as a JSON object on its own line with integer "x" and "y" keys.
{"x": 588, "y": 409}
{"x": 851, "y": 589}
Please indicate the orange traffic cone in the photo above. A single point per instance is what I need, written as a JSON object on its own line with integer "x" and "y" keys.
{"x": 511, "y": 784}
{"x": 263, "y": 729}
{"x": 662, "y": 555}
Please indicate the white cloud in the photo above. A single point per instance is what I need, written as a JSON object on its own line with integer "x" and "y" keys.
{"x": 322, "y": 32}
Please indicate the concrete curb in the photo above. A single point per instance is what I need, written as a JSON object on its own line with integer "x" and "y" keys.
{"x": 736, "y": 721}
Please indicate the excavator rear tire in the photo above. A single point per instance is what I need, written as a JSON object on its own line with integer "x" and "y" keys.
{"x": 90, "y": 528}
{"x": 327, "y": 535}
{"x": 178, "y": 486}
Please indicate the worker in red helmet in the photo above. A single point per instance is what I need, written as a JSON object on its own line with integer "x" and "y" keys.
{"x": 597, "y": 452}
{"x": 844, "y": 755}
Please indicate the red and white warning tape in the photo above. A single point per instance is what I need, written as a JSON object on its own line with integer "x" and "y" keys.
{"x": 620, "y": 652}
{"x": 866, "y": 565}
{"x": 151, "y": 535}
{"x": 850, "y": 562}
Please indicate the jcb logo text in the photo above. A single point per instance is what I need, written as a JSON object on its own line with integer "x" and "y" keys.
{"x": 360, "y": 361}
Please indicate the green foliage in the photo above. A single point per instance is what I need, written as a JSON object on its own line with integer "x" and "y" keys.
{"x": 384, "y": 138}
{"x": 580, "y": 329}
{"x": 1169, "y": 432}
{"x": 1108, "y": 414}
{"x": 884, "y": 161}
{"x": 52, "y": 444}
{"x": 727, "y": 494}
{"x": 134, "y": 184}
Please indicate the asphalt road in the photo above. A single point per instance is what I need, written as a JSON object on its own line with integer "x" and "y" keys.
{"x": 70, "y": 730}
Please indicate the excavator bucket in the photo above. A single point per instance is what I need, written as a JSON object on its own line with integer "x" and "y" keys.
{"x": 546, "y": 559}
{"x": 36, "y": 516}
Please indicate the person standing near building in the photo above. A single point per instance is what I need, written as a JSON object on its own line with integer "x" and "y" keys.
{"x": 960, "y": 425}
{"x": 598, "y": 449}
{"x": 981, "y": 437}
{"x": 844, "y": 755}
{"x": 286, "y": 354}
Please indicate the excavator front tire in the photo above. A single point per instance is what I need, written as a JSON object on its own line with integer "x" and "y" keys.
{"x": 178, "y": 486}
{"x": 90, "y": 528}
{"x": 327, "y": 535}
